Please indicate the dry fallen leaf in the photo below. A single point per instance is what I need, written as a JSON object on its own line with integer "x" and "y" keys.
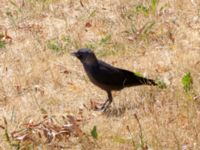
{"x": 48, "y": 130}
{"x": 6, "y": 37}
{"x": 88, "y": 25}
{"x": 73, "y": 121}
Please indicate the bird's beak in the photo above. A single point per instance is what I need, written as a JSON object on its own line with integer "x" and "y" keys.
{"x": 74, "y": 54}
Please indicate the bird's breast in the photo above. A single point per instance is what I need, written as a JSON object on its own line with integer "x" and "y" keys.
{"x": 91, "y": 72}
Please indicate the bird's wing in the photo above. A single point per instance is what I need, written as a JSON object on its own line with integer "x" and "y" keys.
{"x": 109, "y": 75}
{"x": 121, "y": 77}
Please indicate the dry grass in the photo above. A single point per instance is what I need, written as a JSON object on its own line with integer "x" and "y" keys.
{"x": 39, "y": 77}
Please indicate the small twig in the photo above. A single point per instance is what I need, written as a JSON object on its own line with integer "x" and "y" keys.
{"x": 133, "y": 142}
{"x": 81, "y": 3}
{"x": 141, "y": 134}
{"x": 196, "y": 97}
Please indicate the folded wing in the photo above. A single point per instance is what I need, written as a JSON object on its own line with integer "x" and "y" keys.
{"x": 117, "y": 78}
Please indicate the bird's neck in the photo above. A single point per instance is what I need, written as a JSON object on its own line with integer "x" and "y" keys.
{"x": 91, "y": 65}
{"x": 91, "y": 61}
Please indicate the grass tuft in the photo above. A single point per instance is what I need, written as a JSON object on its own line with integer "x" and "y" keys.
{"x": 2, "y": 44}
{"x": 187, "y": 82}
{"x": 94, "y": 132}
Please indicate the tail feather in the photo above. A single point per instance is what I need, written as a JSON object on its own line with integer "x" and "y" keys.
{"x": 132, "y": 79}
{"x": 147, "y": 81}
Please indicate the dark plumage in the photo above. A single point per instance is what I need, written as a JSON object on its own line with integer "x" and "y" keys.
{"x": 107, "y": 77}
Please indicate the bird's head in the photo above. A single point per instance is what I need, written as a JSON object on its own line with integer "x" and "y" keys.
{"x": 86, "y": 56}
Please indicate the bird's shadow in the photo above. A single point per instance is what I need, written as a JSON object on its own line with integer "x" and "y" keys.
{"x": 115, "y": 111}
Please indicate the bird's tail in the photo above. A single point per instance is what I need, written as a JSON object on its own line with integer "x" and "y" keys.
{"x": 134, "y": 80}
{"x": 147, "y": 81}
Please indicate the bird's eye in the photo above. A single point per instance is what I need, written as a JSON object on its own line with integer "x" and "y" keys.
{"x": 80, "y": 56}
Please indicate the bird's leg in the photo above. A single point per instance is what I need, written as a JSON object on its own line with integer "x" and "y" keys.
{"x": 109, "y": 98}
{"x": 108, "y": 101}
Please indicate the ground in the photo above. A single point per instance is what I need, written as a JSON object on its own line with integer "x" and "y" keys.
{"x": 42, "y": 83}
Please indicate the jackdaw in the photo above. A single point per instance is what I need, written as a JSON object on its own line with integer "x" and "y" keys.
{"x": 107, "y": 77}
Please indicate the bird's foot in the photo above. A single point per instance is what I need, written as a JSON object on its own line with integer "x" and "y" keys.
{"x": 105, "y": 106}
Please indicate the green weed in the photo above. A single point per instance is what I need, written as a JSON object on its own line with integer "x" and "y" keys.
{"x": 187, "y": 82}
{"x": 105, "y": 39}
{"x": 154, "y": 4}
{"x": 161, "y": 84}
{"x": 59, "y": 46}
{"x": 147, "y": 10}
{"x": 94, "y": 132}
{"x": 142, "y": 9}
{"x": 54, "y": 46}
{"x": 2, "y": 44}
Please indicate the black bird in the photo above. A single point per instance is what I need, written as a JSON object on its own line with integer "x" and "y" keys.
{"x": 107, "y": 77}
